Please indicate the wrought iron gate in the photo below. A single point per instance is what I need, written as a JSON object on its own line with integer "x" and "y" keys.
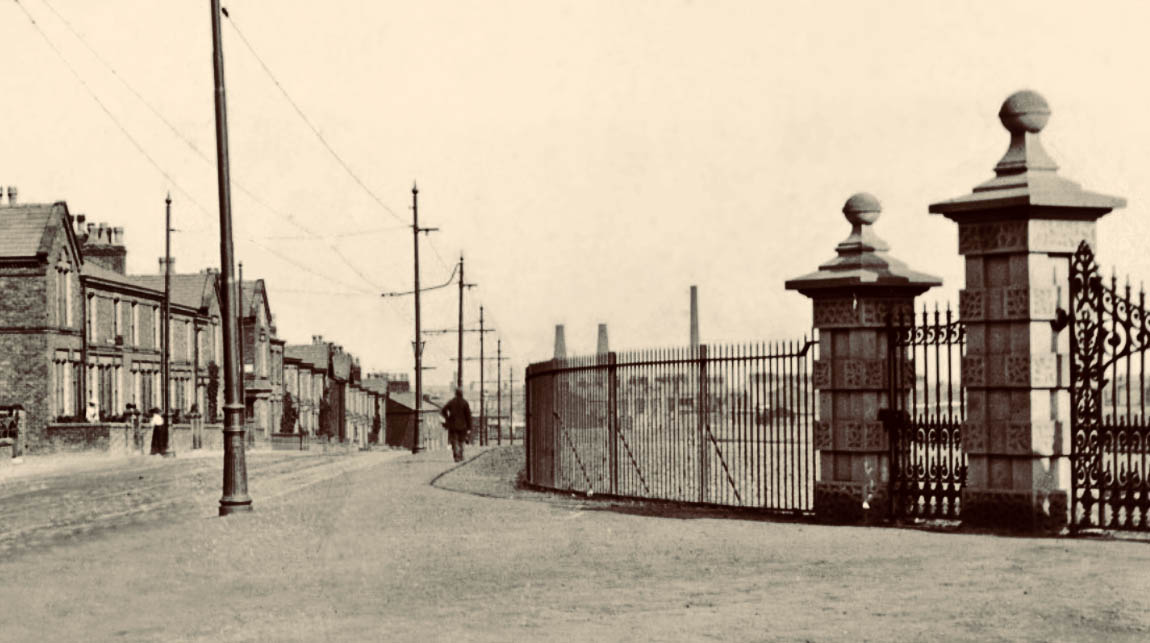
{"x": 924, "y": 419}
{"x": 1110, "y": 442}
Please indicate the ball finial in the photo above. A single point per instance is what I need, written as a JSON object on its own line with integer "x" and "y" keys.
{"x": 1024, "y": 111}
{"x": 862, "y": 208}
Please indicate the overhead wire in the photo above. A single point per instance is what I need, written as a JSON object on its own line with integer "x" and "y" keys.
{"x": 191, "y": 144}
{"x": 303, "y": 116}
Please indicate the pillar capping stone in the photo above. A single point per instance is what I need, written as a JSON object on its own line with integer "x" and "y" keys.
{"x": 1026, "y": 178}
{"x": 863, "y": 262}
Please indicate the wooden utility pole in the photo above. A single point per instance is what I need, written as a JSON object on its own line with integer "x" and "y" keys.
{"x": 511, "y": 404}
{"x": 166, "y": 365}
{"x": 235, "y": 494}
{"x": 417, "y": 346}
{"x": 459, "y": 373}
{"x": 498, "y": 392}
{"x": 482, "y": 399}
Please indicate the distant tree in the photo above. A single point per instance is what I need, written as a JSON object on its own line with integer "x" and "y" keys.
{"x": 290, "y": 414}
{"x": 326, "y": 421}
{"x": 213, "y": 391}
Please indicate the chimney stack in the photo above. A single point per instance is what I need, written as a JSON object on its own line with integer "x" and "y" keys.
{"x": 81, "y": 230}
{"x": 11, "y": 195}
{"x": 694, "y": 316}
{"x": 560, "y": 343}
{"x": 602, "y": 348}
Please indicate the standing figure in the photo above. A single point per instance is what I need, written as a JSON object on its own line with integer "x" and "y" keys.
{"x": 457, "y": 420}
{"x": 159, "y": 433}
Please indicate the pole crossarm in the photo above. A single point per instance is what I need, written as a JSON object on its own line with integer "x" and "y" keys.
{"x": 450, "y": 280}
{"x": 452, "y": 331}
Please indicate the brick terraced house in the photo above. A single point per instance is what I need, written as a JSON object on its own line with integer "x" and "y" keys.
{"x": 75, "y": 328}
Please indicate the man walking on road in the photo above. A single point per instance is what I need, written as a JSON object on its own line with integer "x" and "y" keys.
{"x": 457, "y": 419}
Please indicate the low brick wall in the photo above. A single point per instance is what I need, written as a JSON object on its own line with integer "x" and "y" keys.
{"x": 290, "y": 442}
{"x": 75, "y": 438}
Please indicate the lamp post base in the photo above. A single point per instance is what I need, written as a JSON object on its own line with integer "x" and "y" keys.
{"x": 229, "y": 507}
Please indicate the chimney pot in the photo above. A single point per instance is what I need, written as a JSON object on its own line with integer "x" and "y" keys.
{"x": 11, "y": 195}
{"x": 118, "y": 236}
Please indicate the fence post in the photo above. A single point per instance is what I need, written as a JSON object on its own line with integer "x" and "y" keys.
{"x": 21, "y": 434}
{"x": 853, "y": 295}
{"x": 701, "y": 406}
{"x": 1015, "y": 233}
{"x": 613, "y": 418}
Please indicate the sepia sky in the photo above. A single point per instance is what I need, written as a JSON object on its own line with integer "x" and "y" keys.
{"x": 592, "y": 159}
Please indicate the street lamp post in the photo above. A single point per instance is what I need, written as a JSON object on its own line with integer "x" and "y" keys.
{"x": 235, "y": 493}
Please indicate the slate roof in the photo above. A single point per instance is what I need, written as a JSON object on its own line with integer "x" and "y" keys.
{"x": 27, "y": 230}
{"x": 194, "y": 290}
{"x": 99, "y": 272}
{"x": 407, "y": 400}
{"x": 315, "y": 355}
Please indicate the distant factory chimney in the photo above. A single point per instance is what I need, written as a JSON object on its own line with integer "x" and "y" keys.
{"x": 694, "y": 316}
{"x": 560, "y": 343}
{"x": 602, "y": 348}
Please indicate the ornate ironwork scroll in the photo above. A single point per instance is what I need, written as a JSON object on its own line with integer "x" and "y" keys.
{"x": 1110, "y": 442}
{"x": 927, "y": 408}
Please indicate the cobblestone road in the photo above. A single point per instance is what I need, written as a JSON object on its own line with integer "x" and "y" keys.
{"x": 53, "y": 502}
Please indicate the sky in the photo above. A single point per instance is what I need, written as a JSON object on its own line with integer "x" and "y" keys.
{"x": 590, "y": 159}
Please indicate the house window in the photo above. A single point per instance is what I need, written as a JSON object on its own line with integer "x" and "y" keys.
{"x": 64, "y": 296}
{"x": 92, "y": 318}
{"x": 155, "y": 327}
{"x": 188, "y": 340}
{"x": 135, "y": 324}
{"x": 117, "y": 329}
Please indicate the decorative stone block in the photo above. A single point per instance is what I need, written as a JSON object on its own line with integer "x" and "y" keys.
{"x": 831, "y": 313}
{"x": 821, "y": 374}
{"x": 853, "y": 433}
{"x": 1017, "y": 438}
{"x": 1047, "y": 235}
{"x": 988, "y": 238}
{"x": 875, "y": 438}
{"x": 1043, "y": 303}
{"x": 1017, "y": 302}
{"x": 853, "y": 373}
{"x": 973, "y": 370}
{"x": 974, "y": 437}
{"x": 1044, "y": 371}
{"x": 875, "y": 374}
{"x": 972, "y": 304}
{"x": 1017, "y": 370}
{"x": 876, "y": 312}
{"x": 824, "y": 436}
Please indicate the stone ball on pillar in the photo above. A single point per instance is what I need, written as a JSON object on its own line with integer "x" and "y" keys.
{"x": 862, "y": 209}
{"x": 1024, "y": 111}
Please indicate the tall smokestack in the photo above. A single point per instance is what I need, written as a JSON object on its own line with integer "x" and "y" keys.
{"x": 560, "y": 342}
{"x": 602, "y": 348}
{"x": 694, "y": 316}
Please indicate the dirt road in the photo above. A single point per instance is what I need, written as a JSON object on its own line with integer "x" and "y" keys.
{"x": 378, "y": 553}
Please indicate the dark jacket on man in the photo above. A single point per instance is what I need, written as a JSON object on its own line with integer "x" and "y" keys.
{"x": 457, "y": 415}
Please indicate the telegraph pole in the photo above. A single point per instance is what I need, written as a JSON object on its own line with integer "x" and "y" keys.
{"x": 459, "y": 373}
{"x": 417, "y": 345}
{"x": 235, "y": 493}
{"x": 498, "y": 392}
{"x": 510, "y": 404}
{"x": 482, "y": 398}
{"x": 169, "y": 451}
{"x": 240, "y": 331}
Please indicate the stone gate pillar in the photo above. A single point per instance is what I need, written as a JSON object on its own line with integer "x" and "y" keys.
{"x": 853, "y": 295}
{"x": 1017, "y": 232}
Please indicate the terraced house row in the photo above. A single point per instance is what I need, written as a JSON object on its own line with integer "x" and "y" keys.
{"x": 76, "y": 328}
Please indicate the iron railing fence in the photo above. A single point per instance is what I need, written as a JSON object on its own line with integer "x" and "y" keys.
{"x": 1109, "y": 388}
{"x": 928, "y": 464}
{"x": 725, "y": 425}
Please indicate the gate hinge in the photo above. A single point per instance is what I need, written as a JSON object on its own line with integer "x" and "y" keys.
{"x": 1061, "y": 319}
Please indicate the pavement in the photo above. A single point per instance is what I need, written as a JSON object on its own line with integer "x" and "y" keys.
{"x": 389, "y": 546}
